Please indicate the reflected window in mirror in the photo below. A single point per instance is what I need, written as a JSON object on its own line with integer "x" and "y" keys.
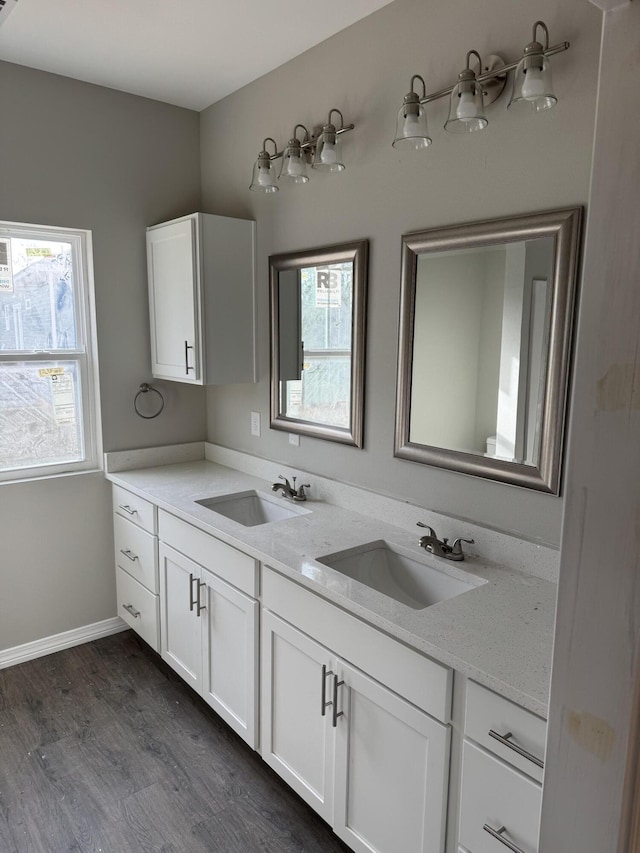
{"x": 317, "y": 342}
{"x": 486, "y": 318}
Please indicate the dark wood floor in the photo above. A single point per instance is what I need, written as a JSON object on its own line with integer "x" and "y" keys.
{"x": 103, "y": 748}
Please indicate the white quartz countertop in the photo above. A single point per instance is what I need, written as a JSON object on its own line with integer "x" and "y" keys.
{"x": 500, "y": 633}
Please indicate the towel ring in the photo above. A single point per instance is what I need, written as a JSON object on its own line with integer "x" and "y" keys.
{"x": 144, "y": 389}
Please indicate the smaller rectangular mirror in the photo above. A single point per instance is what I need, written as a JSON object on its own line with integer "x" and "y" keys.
{"x": 317, "y": 341}
{"x": 485, "y": 344}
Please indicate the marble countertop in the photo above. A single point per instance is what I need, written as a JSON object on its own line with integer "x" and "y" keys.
{"x": 499, "y": 633}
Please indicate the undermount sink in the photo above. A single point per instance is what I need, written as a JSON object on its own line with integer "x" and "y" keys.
{"x": 399, "y": 576}
{"x": 251, "y": 508}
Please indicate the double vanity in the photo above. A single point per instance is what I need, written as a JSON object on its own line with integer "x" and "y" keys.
{"x": 401, "y": 695}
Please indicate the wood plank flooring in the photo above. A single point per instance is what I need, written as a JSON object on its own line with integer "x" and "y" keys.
{"x": 103, "y": 749}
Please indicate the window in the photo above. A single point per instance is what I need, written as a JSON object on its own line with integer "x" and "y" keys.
{"x": 49, "y": 405}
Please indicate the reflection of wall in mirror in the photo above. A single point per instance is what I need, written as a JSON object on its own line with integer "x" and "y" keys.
{"x": 456, "y": 351}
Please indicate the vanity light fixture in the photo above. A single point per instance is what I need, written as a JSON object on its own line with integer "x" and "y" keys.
{"x": 466, "y": 110}
{"x": 325, "y": 151}
{"x": 264, "y": 179}
{"x": 476, "y": 89}
{"x": 532, "y": 87}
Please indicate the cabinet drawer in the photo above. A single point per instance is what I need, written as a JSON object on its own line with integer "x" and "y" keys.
{"x": 134, "y": 599}
{"x": 134, "y": 509}
{"x": 421, "y": 680}
{"x": 487, "y": 712}
{"x": 496, "y": 796}
{"x": 231, "y": 565}
{"x": 136, "y": 552}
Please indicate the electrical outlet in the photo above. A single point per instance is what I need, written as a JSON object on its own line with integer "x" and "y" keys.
{"x": 294, "y": 439}
{"x": 255, "y": 423}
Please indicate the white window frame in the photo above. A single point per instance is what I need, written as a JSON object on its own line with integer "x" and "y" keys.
{"x": 85, "y": 355}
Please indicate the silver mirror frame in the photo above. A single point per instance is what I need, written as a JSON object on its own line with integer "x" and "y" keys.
{"x": 358, "y": 253}
{"x": 564, "y": 226}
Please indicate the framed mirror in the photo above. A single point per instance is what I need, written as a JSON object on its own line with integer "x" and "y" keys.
{"x": 486, "y": 317}
{"x": 317, "y": 306}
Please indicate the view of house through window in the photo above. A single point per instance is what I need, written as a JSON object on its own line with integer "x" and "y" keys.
{"x": 48, "y": 402}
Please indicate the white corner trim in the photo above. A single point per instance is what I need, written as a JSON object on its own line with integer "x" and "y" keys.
{"x": 58, "y": 642}
{"x": 609, "y": 5}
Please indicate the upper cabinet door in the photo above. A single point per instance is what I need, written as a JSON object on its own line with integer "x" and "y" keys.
{"x": 172, "y": 259}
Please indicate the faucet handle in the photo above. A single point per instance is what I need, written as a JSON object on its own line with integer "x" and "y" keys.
{"x": 427, "y": 527}
{"x": 301, "y": 494}
{"x": 456, "y": 547}
{"x": 286, "y": 481}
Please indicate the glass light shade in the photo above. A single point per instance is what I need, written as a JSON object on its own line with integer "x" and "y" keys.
{"x": 532, "y": 86}
{"x": 264, "y": 179}
{"x": 466, "y": 110}
{"x": 411, "y": 127}
{"x": 328, "y": 154}
{"x": 294, "y": 164}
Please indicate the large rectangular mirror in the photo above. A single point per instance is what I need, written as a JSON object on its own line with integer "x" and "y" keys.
{"x": 317, "y": 341}
{"x": 485, "y": 342}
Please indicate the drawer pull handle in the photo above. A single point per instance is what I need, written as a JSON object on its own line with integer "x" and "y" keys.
{"x": 323, "y": 703}
{"x": 336, "y": 713}
{"x": 129, "y": 510}
{"x": 505, "y": 740}
{"x": 498, "y": 834}
{"x": 200, "y": 607}
{"x": 131, "y": 609}
{"x": 129, "y": 554}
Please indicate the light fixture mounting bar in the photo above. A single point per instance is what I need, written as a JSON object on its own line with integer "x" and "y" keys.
{"x": 311, "y": 143}
{"x": 495, "y": 72}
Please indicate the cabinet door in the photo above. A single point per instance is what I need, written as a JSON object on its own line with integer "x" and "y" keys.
{"x": 180, "y": 623}
{"x": 174, "y": 303}
{"x": 391, "y": 770}
{"x": 229, "y": 655}
{"x": 297, "y": 740}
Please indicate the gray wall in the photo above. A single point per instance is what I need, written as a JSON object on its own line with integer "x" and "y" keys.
{"x": 517, "y": 165}
{"x": 81, "y": 156}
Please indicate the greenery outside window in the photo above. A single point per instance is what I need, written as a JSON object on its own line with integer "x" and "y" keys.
{"x": 49, "y": 402}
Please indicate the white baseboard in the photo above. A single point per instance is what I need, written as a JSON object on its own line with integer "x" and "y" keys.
{"x": 57, "y": 642}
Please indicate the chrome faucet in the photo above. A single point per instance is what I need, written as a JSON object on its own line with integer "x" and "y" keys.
{"x": 441, "y": 548}
{"x": 289, "y": 491}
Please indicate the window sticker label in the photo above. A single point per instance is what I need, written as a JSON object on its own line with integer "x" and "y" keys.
{"x": 6, "y": 271}
{"x": 50, "y": 371}
{"x": 328, "y": 288}
{"x": 64, "y": 399}
{"x": 39, "y": 252}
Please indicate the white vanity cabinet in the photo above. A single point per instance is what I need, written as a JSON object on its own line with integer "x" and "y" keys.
{"x": 209, "y": 620}
{"x": 136, "y": 557}
{"x": 501, "y": 791}
{"x": 201, "y": 271}
{"x": 354, "y": 721}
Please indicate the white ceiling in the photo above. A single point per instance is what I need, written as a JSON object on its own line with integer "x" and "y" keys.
{"x": 185, "y": 52}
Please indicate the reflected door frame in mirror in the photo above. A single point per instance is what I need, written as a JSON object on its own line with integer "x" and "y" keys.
{"x": 355, "y": 253}
{"x": 563, "y": 226}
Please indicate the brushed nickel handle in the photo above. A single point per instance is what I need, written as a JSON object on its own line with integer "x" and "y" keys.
{"x": 129, "y": 510}
{"x": 131, "y": 609}
{"x": 498, "y": 835}
{"x": 505, "y": 740}
{"x": 323, "y": 703}
{"x": 191, "y": 599}
{"x": 129, "y": 554}
{"x": 187, "y": 347}
{"x": 200, "y": 607}
{"x": 336, "y": 713}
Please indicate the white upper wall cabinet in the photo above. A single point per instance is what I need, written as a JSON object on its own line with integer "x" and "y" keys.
{"x": 202, "y": 299}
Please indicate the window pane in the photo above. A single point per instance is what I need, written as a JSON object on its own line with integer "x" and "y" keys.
{"x": 40, "y": 414}
{"x": 36, "y": 295}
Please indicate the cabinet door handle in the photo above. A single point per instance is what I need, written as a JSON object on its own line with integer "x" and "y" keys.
{"x": 131, "y": 609}
{"x": 129, "y": 510}
{"x": 498, "y": 835}
{"x": 323, "y": 702}
{"x": 336, "y": 713}
{"x": 191, "y": 599}
{"x": 200, "y": 607}
{"x": 505, "y": 740}
{"x": 187, "y": 347}
{"x": 129, "y": 554}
